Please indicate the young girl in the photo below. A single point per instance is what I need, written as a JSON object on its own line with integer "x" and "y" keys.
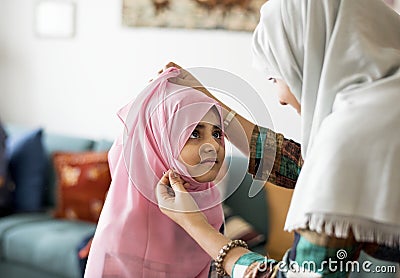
{"x": 165, "y": 128}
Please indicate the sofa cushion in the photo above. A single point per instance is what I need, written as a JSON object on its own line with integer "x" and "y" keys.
{"x": 16, "y": 130}
{"x": 12, "y": 221}
{"x": 238, "y": 188}
{"x": 238, "y": 228}
{"x": 49, "y": 245}
{"x": 5, "y": 192}
{"x": 27, "y": 166}
{"x": 3, "y": 158}
{"x": 54, "y": 143}
{"x": 102, "y": 145}
{"x": 12, "y": 270}
{"x": 83, "y": 180}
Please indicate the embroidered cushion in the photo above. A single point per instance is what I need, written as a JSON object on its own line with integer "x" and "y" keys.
{"x": 83, "y": 180}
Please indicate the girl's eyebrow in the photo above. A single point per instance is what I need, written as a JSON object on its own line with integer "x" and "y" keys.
{"x": 201, "y": 126}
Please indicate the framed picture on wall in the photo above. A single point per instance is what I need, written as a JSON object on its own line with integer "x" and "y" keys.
{"x": 54, "y": 19}
{"x": 238, "y": 15}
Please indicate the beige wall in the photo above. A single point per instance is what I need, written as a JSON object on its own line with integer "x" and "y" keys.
{"x": 76, "y": 85}
{"x": 278, "y": 201}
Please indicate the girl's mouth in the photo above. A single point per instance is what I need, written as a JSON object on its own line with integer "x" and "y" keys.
{"x": 209, "y": 161}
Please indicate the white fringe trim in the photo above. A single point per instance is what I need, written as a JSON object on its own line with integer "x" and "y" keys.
{"x": 339, "y": 226}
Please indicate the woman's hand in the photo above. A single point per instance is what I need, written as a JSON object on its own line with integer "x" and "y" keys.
{"x": 240, "y": 129}
{"x": 185, "y": 78}
{"x": 175, "y": 202}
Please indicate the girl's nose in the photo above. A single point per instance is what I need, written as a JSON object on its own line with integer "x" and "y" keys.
{"x": 210, "y": 147}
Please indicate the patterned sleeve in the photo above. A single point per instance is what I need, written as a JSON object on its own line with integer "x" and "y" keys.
{"x": 274, "y": 158}
{"x": 253, "y": 265}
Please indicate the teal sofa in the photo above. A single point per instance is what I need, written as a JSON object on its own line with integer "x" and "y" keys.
{"x": 35, "y": 244}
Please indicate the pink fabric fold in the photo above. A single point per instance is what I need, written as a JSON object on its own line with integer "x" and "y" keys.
{"x": 133, "y": 238}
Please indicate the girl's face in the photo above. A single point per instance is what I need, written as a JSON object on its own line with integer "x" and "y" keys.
{"x": 285, "y": 95}
{"x": 204, "y": 151}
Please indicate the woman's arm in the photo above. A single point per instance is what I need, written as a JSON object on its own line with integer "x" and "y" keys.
{"x": 182, "y": 209}
{"x": 212, "y": 241}
{"x": 240, "y": 129}
{"x": 272, "y": 157}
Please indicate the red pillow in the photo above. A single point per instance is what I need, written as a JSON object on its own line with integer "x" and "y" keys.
{"x": 83, "y": 180}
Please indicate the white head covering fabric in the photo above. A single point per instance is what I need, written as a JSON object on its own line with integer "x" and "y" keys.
{"x": 341, "y": 60}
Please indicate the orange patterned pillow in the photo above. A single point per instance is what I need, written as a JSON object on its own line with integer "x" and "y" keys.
{"x": 83, "y": 180}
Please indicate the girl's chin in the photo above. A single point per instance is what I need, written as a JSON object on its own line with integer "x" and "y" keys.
{"x": 210, "y": 176}
{"x": 205, "y": 173}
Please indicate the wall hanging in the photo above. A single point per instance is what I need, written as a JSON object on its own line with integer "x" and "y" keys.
{"x": 238, "y": 15}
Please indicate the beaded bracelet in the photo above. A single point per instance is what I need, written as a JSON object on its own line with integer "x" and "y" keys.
{"x": 224, "y": 251}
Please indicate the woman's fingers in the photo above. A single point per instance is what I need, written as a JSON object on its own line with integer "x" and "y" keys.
{"x": 185, "y": 78}
{"x": 186, "y": 185}
{"x": 176, "y": 182}
{"x": 165, "y": 178}
{"x": 175, "y": 202}
{"x": 172, "y": 64}
{"x": 169, "y": 65}
{"x": 165, "y": 187}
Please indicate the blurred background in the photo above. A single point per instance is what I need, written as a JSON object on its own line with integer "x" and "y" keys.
{"x": 68, "y": 66}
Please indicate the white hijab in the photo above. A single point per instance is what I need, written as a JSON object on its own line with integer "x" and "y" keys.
{"x": 341, "y": 60}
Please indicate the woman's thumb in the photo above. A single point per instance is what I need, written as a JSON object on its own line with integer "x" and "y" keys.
{"x": 176, "y": 181}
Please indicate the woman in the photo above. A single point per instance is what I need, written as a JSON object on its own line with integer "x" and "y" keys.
{"x": 163, "y": 129}
{"x": 337, "y": 62}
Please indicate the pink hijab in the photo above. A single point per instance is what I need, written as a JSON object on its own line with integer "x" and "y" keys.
{"x": 133, "y": 238}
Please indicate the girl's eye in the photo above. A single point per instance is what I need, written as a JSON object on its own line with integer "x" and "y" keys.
{"x": 217, "y": 134}
{"x": 195, "y": 134}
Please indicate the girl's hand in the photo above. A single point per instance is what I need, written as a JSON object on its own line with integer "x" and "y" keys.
{"x": 175, "y": 202}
